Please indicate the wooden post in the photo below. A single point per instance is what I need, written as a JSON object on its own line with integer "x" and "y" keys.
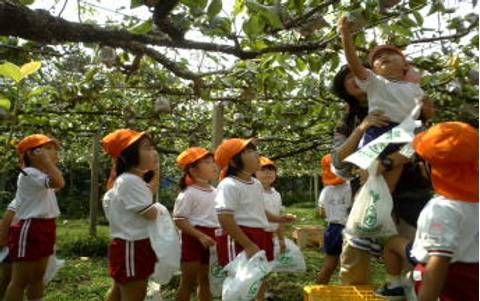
{"x": 94, "y": 185}
{"x": 217, "y": 119}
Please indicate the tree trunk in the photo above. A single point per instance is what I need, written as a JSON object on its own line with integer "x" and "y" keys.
{"x": 94, "y": 166}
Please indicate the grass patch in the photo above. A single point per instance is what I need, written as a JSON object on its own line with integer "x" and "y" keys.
{"x": 85, "y": 274}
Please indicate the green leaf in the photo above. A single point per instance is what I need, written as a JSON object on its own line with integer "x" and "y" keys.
{"x": 195, "y": 4}
{"x": 142, "y": 28}
{"x": 11, "y": 71}
{"x": 254, "y": 26}
{"x": 36, "y": 91}
{"x": 418, "y": 17}
{"x": 27, "y": 2}
{"x": 238, "y": 7}
{"x": 5, "y": 103}
{"x": 214, "y": 8}
{"x": 30, "y": 68}
{"x": 136, "y": 3}
{"x": 268, "y": 12}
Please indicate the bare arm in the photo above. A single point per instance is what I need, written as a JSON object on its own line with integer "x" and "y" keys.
{"x": 230, "y": 226}
{"x": 186, "y": 227}
{"x": 273, "y": 218}
{"x": 41, "y": 159}
{"x": 434, "y": 278}
{"x": 4, "y": 226}
{"x": 350, "y": 52}
{"x": 150, "y": 213}
{"x": 377, "y": 119}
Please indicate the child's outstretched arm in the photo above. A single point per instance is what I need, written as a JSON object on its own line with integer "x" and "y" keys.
{"x": 350, "y": 53}
{"x": 434, "y": 278}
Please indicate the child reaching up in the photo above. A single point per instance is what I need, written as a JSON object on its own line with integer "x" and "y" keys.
{"x": 445, "y": 249}
{"x": 335, "y": 201}
{"x": 387, "y": 88}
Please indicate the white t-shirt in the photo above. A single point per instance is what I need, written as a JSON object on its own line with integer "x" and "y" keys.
{"x": 197, "y": 204}
{"x": 336, "y": 200}
{"x": 12, "y": 206}
{"x": 273, "y": 204}
{"x": 244, "y": 200}
{"x": 447, "y": 228}
{"x": 34, "y": 197}
{"x": 396, "y": 99}
{"x": 127, "y": 200}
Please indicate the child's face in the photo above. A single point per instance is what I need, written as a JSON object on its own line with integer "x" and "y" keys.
{"x": 148, "y": 155}
{"x": 266, "y": 175}
{"x": 250, "y": 160}
{"x": 390, "y": 65}
{"x": 51, "y": 151}
{"x": 206, "y": 169}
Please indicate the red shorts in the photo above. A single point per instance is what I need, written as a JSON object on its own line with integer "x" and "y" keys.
{"x": 461, "y": 283}
{"x": 193, "y": 250}
{"x": 32, "y": 239}
{"x": 131, "y": 260}
{"x": 227, "y": 249}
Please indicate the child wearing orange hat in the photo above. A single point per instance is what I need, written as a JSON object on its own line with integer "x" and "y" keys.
{"x": 388, "y": 91}
{"x": 445, "y": 249}
{"x": 335, "y": 201}
{"x": 240, "y": 206}
{"x": 267, "y": 175}
{"x": 130, "y": 210}
{"x": 31, "y": 240}
{"x": 195, "y": 215}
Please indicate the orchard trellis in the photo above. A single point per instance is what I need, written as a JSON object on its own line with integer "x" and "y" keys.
{"x": 262, "y": 69}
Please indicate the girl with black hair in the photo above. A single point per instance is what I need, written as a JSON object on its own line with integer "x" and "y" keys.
{"x": 195, "y": 215}
{"x": 130, "y": 210}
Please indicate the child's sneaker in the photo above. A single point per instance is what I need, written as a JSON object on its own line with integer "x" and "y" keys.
{"x": 391, "y": 293}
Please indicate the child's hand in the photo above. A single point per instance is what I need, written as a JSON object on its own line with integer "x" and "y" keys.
{"x": 251, "y": 250}
{"x": 288, "y": 218}
{"x": 206, "y": 241}
{"x": 283, "y": 246}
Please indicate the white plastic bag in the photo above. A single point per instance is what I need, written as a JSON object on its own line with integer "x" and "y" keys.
{"x": 53, "y": 266}
{"x": 166, "y": 244}
{"x": 402, "y": 133}
{"x": 154, "y": 292}
{"x": 291, "y": 261}
{"x": 245, "y": 276}
{"x": 216, "y": 274}
{"x": 371, "y": 214}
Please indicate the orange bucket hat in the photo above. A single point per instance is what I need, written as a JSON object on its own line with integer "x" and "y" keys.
{"x": 191, "y": 155}
{"x": 264, "y": 161}
{"x": 229, "y": 149}
{"x": 328, "y": 177}
{"x": 451, "y": 148}
{"x": 375, "y": 51}
{"x": 34, "y": 141}
{"x": 116, "y": 142}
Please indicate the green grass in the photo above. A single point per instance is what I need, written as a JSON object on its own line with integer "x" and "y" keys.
{"x": 86, "y": 277}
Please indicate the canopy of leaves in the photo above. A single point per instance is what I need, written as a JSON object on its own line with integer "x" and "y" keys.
{"x": 268, "y": 63}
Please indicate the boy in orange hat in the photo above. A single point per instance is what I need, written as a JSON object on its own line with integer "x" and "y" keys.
{"x": 388, "y": 91}
{"x": 31, "y": 241}
{"x": 195, "y": 215}
{"x": 130, "y": 210}
{"x": 334, "y": 202}
{"x": 240, "y": 206}
{"x": 445, "y": 249}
